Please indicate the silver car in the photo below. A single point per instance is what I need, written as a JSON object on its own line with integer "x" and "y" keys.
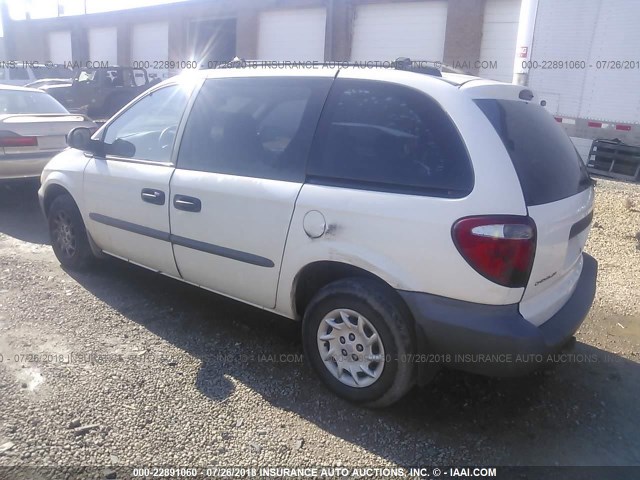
{"x": 33, "y": 128}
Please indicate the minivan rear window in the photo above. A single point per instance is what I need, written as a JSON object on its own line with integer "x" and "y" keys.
{"x": 547, "y": 163}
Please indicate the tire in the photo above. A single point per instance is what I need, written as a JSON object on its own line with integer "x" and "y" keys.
{"x": 381, "y": 311}
{"x": 68, "y": 234}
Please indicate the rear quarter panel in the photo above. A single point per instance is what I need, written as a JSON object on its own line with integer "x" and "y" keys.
{"x": 406, "y": 239}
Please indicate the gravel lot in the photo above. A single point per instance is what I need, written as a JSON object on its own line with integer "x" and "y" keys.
{"x": 162, "y": 373}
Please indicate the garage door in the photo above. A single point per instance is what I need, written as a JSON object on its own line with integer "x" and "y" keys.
{"x": 388, "y": 31}
{"x": 103, "y": 45}
{"x": 150, "y": 45}
{"x": 292, "y": 34}
{"x": 499, "y": 35}
{"x": 60, "y": 47}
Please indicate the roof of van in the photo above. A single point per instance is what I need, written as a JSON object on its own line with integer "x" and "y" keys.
{"x": 443, "y": 72}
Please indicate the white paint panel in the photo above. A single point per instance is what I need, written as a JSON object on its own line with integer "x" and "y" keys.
{"x": 266, "y": 207}
{"x": 594, "y": 31}
{"x": 499, "y": 35}
{"x": 60, "y": 47}
{"x": 295, "y": 35}
{"x": 388, "y": 31}
{"x": 150, "y": 43}
{"x": 103, "y": 45}
{"x": 563, "y": 31}
{"x": 612, "y": 94}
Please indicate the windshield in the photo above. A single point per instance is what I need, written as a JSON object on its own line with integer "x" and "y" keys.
{"x": 15, "y": 102}
{"x": 86, "y": 76}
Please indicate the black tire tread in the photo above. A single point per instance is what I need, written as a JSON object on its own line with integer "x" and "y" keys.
{"x": 84, "y": 257}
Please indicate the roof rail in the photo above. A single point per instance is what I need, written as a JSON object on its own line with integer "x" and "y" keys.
{"x": 402, "y": 63}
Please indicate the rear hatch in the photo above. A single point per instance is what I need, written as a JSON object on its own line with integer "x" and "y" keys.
{"x": 558, "y": 193}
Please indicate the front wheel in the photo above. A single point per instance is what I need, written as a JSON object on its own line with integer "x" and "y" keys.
{"x": 357, "y": 335}
{"x": 68, "y": 235}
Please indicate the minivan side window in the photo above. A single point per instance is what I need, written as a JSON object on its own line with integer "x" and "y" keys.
{"x": 151, "y": 124}
{"x": 253, "y": 127}
{"x": 383, "y": 136}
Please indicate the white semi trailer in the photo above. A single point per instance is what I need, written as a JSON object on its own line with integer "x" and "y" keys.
{"x": 582, "y": 57}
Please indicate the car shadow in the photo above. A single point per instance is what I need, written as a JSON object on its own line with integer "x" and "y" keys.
{"x": 20, "y": 215}
{"x": 582, "y": 412}
{"x": 564, "y": 415}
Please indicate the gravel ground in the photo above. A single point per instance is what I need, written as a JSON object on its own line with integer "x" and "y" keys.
{"x": 120, "y": 366}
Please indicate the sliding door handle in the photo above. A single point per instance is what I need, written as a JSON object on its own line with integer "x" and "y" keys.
{"x": 188, "y": 204}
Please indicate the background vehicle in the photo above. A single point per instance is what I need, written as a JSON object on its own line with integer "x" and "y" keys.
{"x": 101, "y": 92}
{"x": 350, "y": 200}
{"x": 47, "y": 82}
{"x": 20, "y": 74}
{"x": 33, "y": 128}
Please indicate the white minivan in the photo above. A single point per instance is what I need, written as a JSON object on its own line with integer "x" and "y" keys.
{"x": 410, "y": 220}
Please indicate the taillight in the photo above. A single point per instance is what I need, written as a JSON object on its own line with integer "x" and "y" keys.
{"x": 499, "y": 247}
{"x": 11, "y": 139}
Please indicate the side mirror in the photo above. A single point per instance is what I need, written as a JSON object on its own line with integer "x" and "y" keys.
{"x": 80, "y": 139}
{"x": 121, "y": 148}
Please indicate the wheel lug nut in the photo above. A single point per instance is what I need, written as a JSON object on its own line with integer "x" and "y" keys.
{"x": 352, "y": 337}
{"x": 342, "y": 340}
{"x": 344, "y": 352}
{"x": 359, "y": 347}
{"x": 354, "y": 357}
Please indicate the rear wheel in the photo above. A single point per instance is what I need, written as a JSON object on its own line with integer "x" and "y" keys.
{"x": 68, "y": 234}
{"x": 358, "y": 337}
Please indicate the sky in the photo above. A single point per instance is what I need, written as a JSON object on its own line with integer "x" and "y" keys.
{"x": 49, "y": 8}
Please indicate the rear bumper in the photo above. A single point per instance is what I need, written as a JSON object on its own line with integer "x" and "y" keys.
{"x": 23, "y": 166}
{"x": 495, "y": 339}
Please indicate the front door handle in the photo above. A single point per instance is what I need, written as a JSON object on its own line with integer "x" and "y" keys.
{"x": 151, "y": 195}
{"x": 188, "y": 204}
